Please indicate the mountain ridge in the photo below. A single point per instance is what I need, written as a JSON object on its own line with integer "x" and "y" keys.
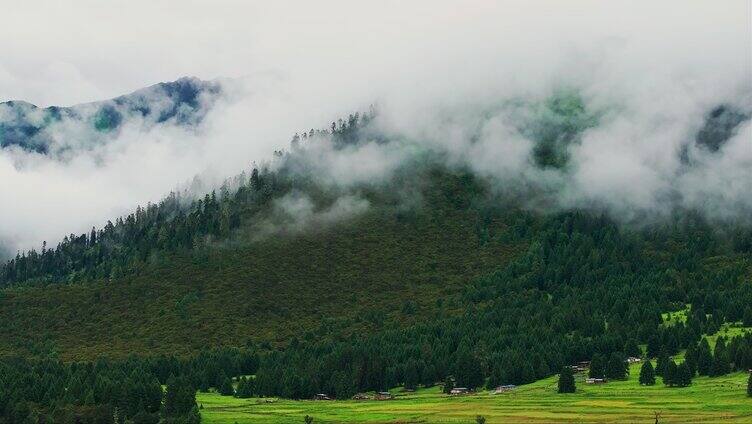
{"x": 29, "y": 127}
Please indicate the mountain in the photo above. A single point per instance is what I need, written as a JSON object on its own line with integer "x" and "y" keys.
{"x": 182, "y": 102}
{"x": 309, "y": 284}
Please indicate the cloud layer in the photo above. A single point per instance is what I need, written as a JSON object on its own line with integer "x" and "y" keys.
{"x": 446, "y": 76}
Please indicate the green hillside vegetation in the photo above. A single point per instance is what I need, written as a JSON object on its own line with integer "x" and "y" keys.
{"x": 440, "y": 278}
{"x": 374, "y": 269}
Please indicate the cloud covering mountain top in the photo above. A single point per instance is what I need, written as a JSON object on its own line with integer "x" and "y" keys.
{"x": 459, "y": 77}
{"x": 60, "y": 131}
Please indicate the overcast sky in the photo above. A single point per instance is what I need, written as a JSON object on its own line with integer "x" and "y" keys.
{"x": 305, "y": 63}
{"x": 66, "y": 52}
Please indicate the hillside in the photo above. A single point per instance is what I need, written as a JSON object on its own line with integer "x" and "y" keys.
{"x": 268, "y": 290}
{"x": 304, "y": 277}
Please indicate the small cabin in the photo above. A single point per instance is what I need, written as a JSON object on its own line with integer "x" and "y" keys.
{"x": 581, "y": 366}
{"x": 361, "y": 396}
{"x": 577, "y": 368}
{"x": 505, "y": 388}
{"x": 321, "y": 396}
{"x": 633, "y": 360}
{"x": 596, "y": 381}
{"x": 459, "y": 391}
{"x": 383, "y": 396}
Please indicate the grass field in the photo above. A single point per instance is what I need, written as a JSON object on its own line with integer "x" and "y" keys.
{"x": 708, "y": 400}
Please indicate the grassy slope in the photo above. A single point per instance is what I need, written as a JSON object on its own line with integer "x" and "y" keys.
{"x": 721, "y": 399}
{"x": 268, "y": 291}
{"x": 727, "y": 330}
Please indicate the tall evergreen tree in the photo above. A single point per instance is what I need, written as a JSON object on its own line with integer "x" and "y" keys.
{"x": 662, "y": 363}
{"x": 225, "y": 387}
{"x": 468, "y": 372}
{"x": 180, "y": 397}
{"x": 566, "y": 381}
{"x": 448, "y": 385}
{"x": 617, "y": 368}
{"x": 647, "y": 373}
{"x": 632, "y": 349}
{"x": 721, "y": 361}
{"x": 670, "y": 373}
{"x": 597, "y": 367}
{"x": 411, "y": 375}
{"x": 704, "y": 358}
{"x": 690, "y": 358}
{"x": 683, "y": 375}
{"x": 245, "y": 388}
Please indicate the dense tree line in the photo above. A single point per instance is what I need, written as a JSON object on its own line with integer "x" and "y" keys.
{"x": 582, "y": 289}
{"x": 105, "y": 391}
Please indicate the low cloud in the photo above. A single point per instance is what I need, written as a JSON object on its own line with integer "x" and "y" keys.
{"x": 464, "y": 80}
{"x": 297, "y": 212}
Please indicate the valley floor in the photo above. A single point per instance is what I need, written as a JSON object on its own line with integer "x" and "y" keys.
{"x": 708, "y": 400}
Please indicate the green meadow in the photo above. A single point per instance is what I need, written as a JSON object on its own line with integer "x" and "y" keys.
{"x": 707, "y": 400}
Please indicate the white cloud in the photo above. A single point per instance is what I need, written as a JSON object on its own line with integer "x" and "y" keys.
{"x": 656, "y": 68}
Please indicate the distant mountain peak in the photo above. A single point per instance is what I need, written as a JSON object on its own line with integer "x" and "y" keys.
{"x": 183, "y": 102}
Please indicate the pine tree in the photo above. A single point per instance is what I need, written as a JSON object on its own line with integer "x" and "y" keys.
{"x": 617, "y": 368}
{"x": 683, "y": 375}
{"x": 448, "y": 385}
{"x": 467, "y": 370}
{"x": 632, "y": 349}
{"x": 225, "y": 387}
{"x": 690, "y": 358}
{"x": 721, "y": 362}
{"x": 704, "y": 358}
{"x": 670, "y": 373}
{"x": 647, "y": 373}
{"x": 566, "y": 381}
{"x": 597, "y": 367}
{"x": 246, "y": 388}
{"x": 661, "y": 363}
{"x": 180, "y": 397}
{"x": 411, "y": 375}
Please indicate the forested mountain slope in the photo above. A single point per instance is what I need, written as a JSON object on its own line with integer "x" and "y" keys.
{"x": 345, "y": 279}
{"x": 296, "y": 249}
{"x": 360, "y": 260}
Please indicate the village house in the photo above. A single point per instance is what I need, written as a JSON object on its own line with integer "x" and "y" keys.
{"x": 321, "y": 396}
{"x": 580, "y": 367}
{"x": 633, "y": 360}
{"x": 361, "y": 396}
{"x": 596, "y": 381}
{"x": 504, "y": 389}
{"x": 383, "y": 396}
{"x": 459, "y": 391}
